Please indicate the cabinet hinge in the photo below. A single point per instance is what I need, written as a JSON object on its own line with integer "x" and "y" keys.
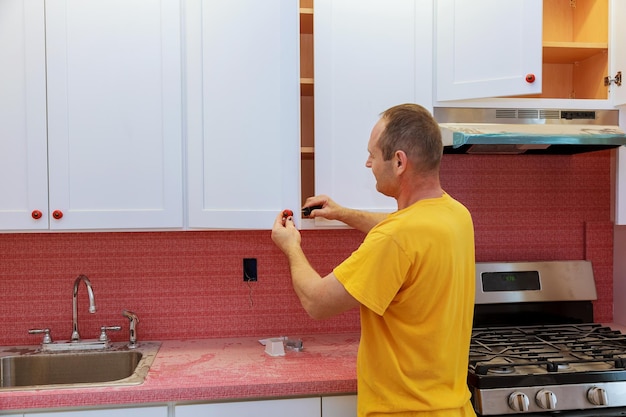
{"x": 617, "y": 80}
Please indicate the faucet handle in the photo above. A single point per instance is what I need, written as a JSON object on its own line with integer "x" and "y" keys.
{"x": 47, "y": 339}
{"x": 103, "y": 332}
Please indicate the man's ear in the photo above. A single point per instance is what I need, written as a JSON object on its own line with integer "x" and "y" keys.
{"x": 401, "y": 160}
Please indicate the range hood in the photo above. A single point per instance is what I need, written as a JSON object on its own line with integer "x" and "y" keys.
{"x": 528, "y": 131}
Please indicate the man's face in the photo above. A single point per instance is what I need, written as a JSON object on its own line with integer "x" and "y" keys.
{"x": 382, "y": 170}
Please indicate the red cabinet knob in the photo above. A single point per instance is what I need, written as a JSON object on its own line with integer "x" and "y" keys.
{"x": 57, "y": 214}
{"x": 530, "y": 78}
{"x": 36, "y": 214}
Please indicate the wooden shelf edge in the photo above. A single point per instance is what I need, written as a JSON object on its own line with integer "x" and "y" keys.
{"x": 306, "y": 20}
{"x": 306, "y": 86}
{"x": 571, "y": 52}
{"x": 307, "y": 150}
{"x": 554, "y": 44}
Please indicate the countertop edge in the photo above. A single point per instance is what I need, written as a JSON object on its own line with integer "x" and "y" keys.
{"x": 215, "y": 370}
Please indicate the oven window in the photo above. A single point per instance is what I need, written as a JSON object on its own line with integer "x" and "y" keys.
{"x": 510, "y": 281}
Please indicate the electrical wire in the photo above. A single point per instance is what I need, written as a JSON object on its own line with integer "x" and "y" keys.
{"x": 248, "y": 280}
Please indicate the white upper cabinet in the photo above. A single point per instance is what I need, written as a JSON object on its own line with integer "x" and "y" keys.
{"x": 368, "y": 57}
{"x": 487, "y": 48}
{"x": 114, "y": 113}
{"x": 108, "y": 155}
{"x": 23, "y": 151}
{"x": 242, "y": 90}
{"x": 559, "y": 51}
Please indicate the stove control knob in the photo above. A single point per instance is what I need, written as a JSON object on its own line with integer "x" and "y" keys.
{"x": 597, "y": 396}
{"x": 518, "y": 401}
{"x": 546, "y": 399}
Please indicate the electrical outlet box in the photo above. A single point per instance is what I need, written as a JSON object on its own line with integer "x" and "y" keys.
{"x": 249, "y": 270}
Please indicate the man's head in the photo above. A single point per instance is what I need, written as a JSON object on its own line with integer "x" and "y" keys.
{"x": 412, "y": 129}
{"x": 406, "y": 139}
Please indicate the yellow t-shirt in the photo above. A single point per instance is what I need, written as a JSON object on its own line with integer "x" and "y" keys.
{"x": 414, "y": 275}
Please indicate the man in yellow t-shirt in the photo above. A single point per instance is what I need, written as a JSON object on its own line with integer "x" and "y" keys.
{"x": 412, "y": 277}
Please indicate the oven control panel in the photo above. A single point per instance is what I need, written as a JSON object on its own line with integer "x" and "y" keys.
{"x": 522, "y": 282}
{"x": 550, "y": 398}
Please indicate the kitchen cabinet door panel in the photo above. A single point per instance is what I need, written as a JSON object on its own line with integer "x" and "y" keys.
{"x": 243, "y": 106}
{"x": 368, "y": 57}
{"x": 160, "y": 411}
{"x": 486, "y": 48}
{"x": 23, "y": 148}
{"x": 617, "y": 61}
{"x": 114, "y": 113}
{"x": 339, "y": 406}
{"x": 301, "y": 407}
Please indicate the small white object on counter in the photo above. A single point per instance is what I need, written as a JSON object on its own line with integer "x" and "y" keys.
{"x": 275, "y": 347}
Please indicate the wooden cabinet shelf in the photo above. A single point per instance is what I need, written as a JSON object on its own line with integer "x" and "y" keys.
{"x": 306, "y": 86}
{"x": 307, "y": 151}
{"x": 571, "y": 52}
{"x": 575, "y": 49}
{"x": 306, "y": 20}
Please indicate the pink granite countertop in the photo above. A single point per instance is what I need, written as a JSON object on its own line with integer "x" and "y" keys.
{"x": 218, "y": 369}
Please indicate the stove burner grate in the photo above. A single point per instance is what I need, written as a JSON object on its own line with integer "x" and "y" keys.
{"x": 551, "y": 349}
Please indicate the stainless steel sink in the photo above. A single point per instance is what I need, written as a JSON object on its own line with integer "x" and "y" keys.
{"x": 115, "y": 366}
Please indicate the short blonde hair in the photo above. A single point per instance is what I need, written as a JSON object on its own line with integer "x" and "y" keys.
{"x": 412, "y": 129}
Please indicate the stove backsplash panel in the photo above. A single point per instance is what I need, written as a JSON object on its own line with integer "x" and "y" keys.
{"x": 190, "y": 284}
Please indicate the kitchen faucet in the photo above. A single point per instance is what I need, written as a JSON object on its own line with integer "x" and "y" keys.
{"x": 92, "y": 305}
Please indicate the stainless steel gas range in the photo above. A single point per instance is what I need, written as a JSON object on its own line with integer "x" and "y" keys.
{"x": 535, "y": 348}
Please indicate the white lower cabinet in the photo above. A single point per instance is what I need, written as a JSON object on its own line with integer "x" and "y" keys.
{"x": 339, "y": 406}
{"x": 158, "y": 411}
{"x": 333, "y": 406}
{"x": 302, "y": 407}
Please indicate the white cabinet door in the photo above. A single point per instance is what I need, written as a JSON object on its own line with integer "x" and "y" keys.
{"x": 114, "y": 113}
{"x": 617, "y": 46}
{"x": 160, "y": 411}
{"x": 368, "y": 57}
{"x": 486, "y": 48}
{"x": 23, "y": 152}
{"x": 301, "y": 407}
{"x": 340, "y": 406}
{"x": 243, "y": 110}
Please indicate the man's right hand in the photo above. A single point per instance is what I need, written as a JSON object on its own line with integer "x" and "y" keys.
{"x": 323, "y": 206}
{"x": 357, "y": 219}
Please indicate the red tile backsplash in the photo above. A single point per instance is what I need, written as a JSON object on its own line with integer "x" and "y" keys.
{"x": 181, "y": 284}
{"x": 189, "y": 284}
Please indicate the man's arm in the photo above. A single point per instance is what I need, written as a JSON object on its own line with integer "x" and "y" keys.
{"x": 357, "y": 219}
{"x": 320, "y": 297}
